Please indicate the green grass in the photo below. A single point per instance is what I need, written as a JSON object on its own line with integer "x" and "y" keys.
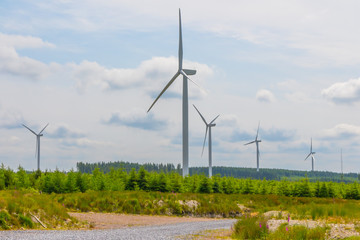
{"x": 17, "y": 205}
{"x": 256, "y": 228}
{"x": 224, "y": 205}
{"x": 251, "y": 228}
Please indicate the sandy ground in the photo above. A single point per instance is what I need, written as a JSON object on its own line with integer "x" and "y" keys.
{"x": 113, "y": 220}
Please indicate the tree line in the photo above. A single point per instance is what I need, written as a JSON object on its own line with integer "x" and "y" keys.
{"x": 121, "y": 180}
{"x": 236, "y": 172}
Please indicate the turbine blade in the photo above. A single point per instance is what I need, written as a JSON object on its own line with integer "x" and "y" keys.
{"x": 249, "y": 143}
{"x": 311, "y": 145}
{"x": 29, "y": 129}
{"x": 201, "y": 115}
{"x": 186, "y": 75}
{"x": 43, "y": 128}
{"x": 204, "y": 140}
{"x": 307, "y": 156}
{"x": 180, "y": 43}
{"x": 166, "y": 87}
{"x": 257, "y": 133}
{"x": 214, "y": 119}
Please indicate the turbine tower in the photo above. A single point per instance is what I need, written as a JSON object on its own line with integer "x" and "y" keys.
{"x": 257, "y": 147}
{"x": 37, "y": 149}
{"x": 208, "y": 127}
{"x": 312, "y": 156}
{"x": 185, "y": 111}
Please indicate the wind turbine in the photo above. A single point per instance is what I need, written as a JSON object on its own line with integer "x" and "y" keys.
{"x": 208, "y": 126}
{"x": 257, "y": 147}
{"x": 185, "y": 111}
{"x": 37, "y": 150}
{"x": 312, "y": 156}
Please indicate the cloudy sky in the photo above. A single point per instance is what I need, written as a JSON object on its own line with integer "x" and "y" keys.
{"x": 91, "y": 69}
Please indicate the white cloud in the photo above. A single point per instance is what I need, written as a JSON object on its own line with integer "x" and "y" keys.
{"x": 152, "y": 75}
{"x": 137, "y": 119}
{"x": 83, "y": 142}
{"x": 10, "y": 119}
{"x": 343, "y": 92}
{"x": 64, "y": 131}
{"x": 264, "y": 95}
{"x": 342, "y": 130}
{"x": 19, "y": 41}
{"x": 323, "y": 30}
{"x": 13, "y": 64}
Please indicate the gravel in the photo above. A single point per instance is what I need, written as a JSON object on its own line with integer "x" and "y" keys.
{"x": 169, "y": 231}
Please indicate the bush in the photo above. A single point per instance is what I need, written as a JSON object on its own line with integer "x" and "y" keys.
{"x": 250, "y": 228}
{"x": 297, "y": 233}
{"x": 4, "y": 220}
{"x": 26, "y": 221}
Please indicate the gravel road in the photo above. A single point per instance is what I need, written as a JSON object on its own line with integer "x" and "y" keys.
{"x": 169, "y": 231}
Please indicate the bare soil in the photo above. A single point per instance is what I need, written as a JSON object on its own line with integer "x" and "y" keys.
{"x": 113, "y": 220}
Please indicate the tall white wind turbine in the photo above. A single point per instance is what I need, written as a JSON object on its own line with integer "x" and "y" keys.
{"x": 257, "y": 147}
{"x": 312, "y": 156}
{"x": 208, "y": 127}
{"x": 185, "y": 112}
{"x": 37, "y": 149}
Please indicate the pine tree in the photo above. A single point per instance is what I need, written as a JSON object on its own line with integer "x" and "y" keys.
{"x": 131, "y": 183}
{"x": 22, "y": 178}
{"x": 162, "y": 184}
{"x": 143, "y": 179}
{"x": 204, "y": 186}
{"x": 323, "y": 191}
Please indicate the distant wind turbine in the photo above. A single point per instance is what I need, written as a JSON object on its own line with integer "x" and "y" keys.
{"x": 208, "y": 127}
{"x": 312, "y": 156}
{"x": 185, "y": 73}
{"x": 37, "y": 149}
{"x": 257, "y": 147}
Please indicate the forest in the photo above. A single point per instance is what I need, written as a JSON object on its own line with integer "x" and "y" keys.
{"x": 142, "y": 180}
{"x": 236, "y": 172}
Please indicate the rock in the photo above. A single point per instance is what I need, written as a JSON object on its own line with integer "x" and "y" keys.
{"x": 276, "y": 214}
{"x": 192, "y": 204}
{"x": 243, "y": 208}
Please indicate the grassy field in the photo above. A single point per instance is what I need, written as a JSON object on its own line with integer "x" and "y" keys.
{"x": 18, "y": 207}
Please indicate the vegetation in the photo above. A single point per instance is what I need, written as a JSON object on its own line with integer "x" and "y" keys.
{"x": 121, "y": 180}
{"x": 257, "y": 228}
{"x": 18, "y": 209}
{"x": 49, "y": 195}
{"x": 269, "y": 174}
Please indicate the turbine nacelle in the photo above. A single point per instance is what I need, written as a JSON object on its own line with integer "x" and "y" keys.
{"x": 189, "y": 72}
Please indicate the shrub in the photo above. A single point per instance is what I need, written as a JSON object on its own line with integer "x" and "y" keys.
{"x": 26, "y": 221}
{"x": 297, "y": 233}
{"x": 4, "y": 220}
{"x": 250, "y": 228}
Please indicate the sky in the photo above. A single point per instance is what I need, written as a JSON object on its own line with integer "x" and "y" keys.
{"x": 91, "y": 69}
